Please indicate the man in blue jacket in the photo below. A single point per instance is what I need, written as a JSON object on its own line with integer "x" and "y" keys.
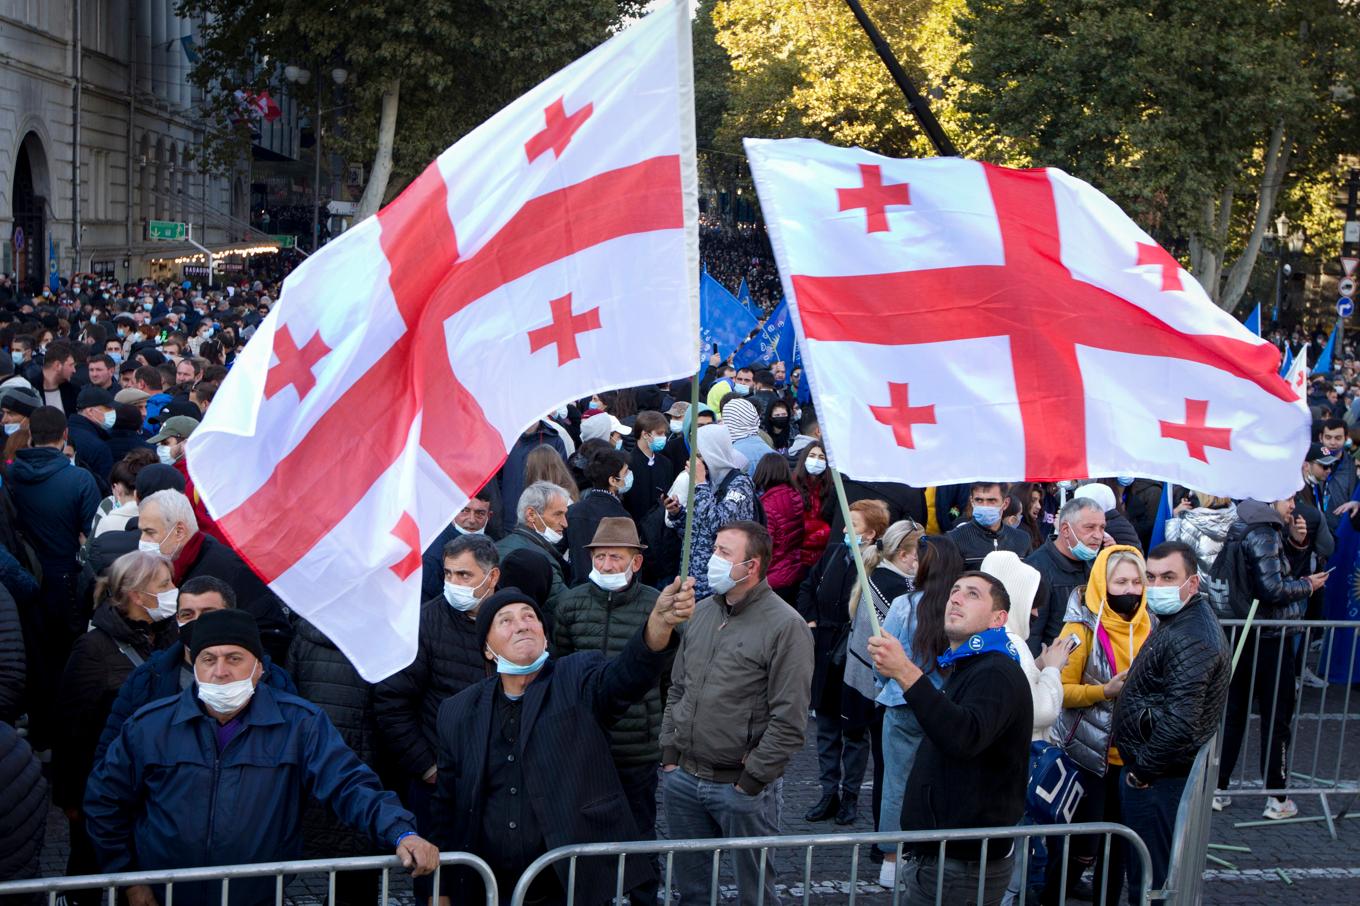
{"x": 220, "y": 774}
{"x": 169, "y": 671}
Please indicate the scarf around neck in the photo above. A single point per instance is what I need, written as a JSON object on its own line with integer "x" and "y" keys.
{"x": 981, "y": 643}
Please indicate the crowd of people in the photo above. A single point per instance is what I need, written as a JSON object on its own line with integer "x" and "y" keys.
{"x": 741, "y": 253}
{"x": 569, "y": 681}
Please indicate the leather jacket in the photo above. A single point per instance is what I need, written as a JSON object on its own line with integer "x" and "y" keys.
{"x": 1260, "y": 531}
{"x": 1084, "y": 733}
{"x": 1175, "y": 693}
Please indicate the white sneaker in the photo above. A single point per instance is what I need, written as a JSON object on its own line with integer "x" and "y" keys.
{"x": 1222, "y": 802}
{"x": 887, "y": 874}
{"x": 1279, "y": 808}
{"x": 1312, "y": 680}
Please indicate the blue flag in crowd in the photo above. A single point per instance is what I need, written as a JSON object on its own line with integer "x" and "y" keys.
{"x": 53, "y": 281}
{"x": 722, "y": 319}
{"x": 1253, "y": 322}
{"x": 1164, "y": 509}
{"x": 1324, "y": 362}
{"x": 1288, "y": 360}
{"x": 744, "y": 297}
{"x": 774, "y": 343}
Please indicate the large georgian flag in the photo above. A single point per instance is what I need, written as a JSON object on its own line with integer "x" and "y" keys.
{"x": 549, "y": 254}
{"x": 962, "y": 321}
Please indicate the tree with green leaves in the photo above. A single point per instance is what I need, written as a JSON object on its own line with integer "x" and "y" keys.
{"x": 422, "y": 72}
{"x": 1192, "y": 116}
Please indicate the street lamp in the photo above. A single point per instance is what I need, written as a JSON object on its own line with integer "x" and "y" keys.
{"x": 301, "y": 77}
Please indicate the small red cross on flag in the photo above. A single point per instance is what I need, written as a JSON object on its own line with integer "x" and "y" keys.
{"x": 1043, "y": 334}
{"x": 417, "y": 343}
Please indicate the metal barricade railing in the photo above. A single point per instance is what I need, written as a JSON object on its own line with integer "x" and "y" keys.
{"x": 1312, "y": 736}
{"x": 279, "y": 871}
{"x": 807, "y": 843}
{"x": 1190, "y": 835}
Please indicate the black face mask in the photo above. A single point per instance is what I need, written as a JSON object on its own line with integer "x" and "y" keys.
{"x": 1125, "y": 605}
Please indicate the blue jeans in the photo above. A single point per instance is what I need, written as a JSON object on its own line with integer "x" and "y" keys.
{"x": 699, "y": 809}
{"x": 1151, "y": 814}
{"x": 902, "y": 735}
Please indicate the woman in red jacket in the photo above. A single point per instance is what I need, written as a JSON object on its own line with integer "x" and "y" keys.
{"x": 784, "y": 520}
{"x": 813, "y": 486}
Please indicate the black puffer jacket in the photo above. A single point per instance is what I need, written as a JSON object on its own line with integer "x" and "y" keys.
{"x": 327, "y": 679}
{"x": 23, "y": 807}
{"x": 13, "y": 662}
{"x": 592, "y": 619}
{"x": 448, "y": 660}
{"x": 1260, "y": 530}
{"x": 1174, "y": 694}
{"x": 975, "y": 542}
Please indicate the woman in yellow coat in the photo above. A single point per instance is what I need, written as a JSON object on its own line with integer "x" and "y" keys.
{"x": 1108, "y": 623}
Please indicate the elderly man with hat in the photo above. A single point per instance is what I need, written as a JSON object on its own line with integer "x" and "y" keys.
{"x": 170, "y": 442}
{"x": 603, "y": 615}
{"x": 89, "y": 430}
{"x": 220, "y": 775}
{"x": 524, "y": 756}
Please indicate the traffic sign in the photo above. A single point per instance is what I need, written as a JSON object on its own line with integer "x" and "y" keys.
{"x": 18, "y": 239}
{"x": 1348, "y": 266}
{"x": 285, "y": 241}
{"x": 166, "y": 229}
{"x": 1344, "y": 306}
{"x": 1351, "y": 231}
{"x": 1347, "y": 286}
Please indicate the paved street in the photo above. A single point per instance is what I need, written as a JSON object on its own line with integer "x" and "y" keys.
{"x": 1295, "y": 863}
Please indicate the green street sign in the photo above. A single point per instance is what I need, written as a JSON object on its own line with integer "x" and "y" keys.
{"x": 166, "y": 229}
{"x": 285, "y": 242}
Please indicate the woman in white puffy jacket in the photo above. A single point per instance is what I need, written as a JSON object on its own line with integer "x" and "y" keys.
{"x": 1045, "y": 674}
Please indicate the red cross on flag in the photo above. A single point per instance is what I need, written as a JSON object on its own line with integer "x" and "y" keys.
{"x": 549, "y": 254}
{"x": 962, "y": 321}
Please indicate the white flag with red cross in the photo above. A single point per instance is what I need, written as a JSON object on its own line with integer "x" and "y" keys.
{"x": 962, "y": 322}
{"x": 548, "y": 255}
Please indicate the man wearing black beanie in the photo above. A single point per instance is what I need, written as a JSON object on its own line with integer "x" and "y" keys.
{"x": 520, "y": 772}
{"x": 220, "y": 775}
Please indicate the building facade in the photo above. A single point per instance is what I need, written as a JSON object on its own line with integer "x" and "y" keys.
{"x": 99, "y": 132}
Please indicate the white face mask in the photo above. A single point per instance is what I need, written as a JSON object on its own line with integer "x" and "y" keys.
{"x": 148, "y": 547}
{"x": 677, "y": 425}
{"x": 167, "y": 605}
{"x": 612, "y": 581}
{"x": 225, "y": 698}
{"x": 463, "y": 597}
{"x": 165, "y": 454}
{"x": 12, "y": 428}
{"x": 468, "y": 531}
{"x": 550, "y": 534}
{"x": 720, "y": 574}
{"x": 816, "y": 466}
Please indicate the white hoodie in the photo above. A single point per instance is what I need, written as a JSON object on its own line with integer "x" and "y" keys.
{"x": 1044, "y": 685}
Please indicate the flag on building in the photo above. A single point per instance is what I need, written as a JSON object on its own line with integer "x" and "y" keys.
{"x": 961, "y": 321}
{"x": 550, "y": 254}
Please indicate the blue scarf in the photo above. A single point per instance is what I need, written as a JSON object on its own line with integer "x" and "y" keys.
{"x": 981, "y": 643}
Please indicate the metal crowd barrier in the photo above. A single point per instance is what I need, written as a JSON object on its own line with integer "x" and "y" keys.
{"x": 168, "y": 878}
{"x": 990, "y": 837}
{"x": 1323, "y": 719}
{"x": 1190, "y": 834}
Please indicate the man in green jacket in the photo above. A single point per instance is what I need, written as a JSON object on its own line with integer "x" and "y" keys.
{"x": 602, "y": 615}
{"x": 541, "y": 522}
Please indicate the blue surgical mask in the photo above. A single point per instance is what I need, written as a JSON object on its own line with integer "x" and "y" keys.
{"x": 12, "y": 428}
{"x": 1084, "y": 553}
{"x": 658, "y": 444}
{"x": 986, "y": 516}
{"x": 628, "y": 482}
{"x": 741, "y": 389}
{"x": 109, "y": 418}
{"x": 816, "y": 466}
{"x": 618, "y": 444}
{"x": 1124, "y": 480}
{"x": 117, "y": 357}
{"x": 1164, "y": 600}
{"x": 510, "y": 668}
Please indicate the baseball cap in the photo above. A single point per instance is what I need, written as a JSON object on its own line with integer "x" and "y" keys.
{"x": 177, "y": 426}
{"x": 1316, "y": 455}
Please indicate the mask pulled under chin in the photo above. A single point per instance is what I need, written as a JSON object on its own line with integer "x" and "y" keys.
{"x": 508, "y": 667}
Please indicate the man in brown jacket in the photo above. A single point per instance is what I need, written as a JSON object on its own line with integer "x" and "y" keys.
{"x": 736, "y": 713}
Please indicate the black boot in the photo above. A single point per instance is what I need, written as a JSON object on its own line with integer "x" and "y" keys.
{"x": 825, "y": 808}
{"x": 849, "y": 809}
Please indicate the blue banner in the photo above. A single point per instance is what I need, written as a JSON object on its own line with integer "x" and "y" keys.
{"x": 744, "y": 297}
{"x": 1253, "y": 322}
{"x": 1164, "y": 511}
{"x": 53, "y": 280}
{"x": 1324, "y": 362}
{"x": 1288, "y": 360}
{"x": 722, "y": 319}
{"x": 774, "y": 343}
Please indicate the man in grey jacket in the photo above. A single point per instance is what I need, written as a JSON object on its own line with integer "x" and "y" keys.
{"x": 736, "y": 713}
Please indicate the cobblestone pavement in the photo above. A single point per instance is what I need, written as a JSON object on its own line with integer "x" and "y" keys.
{"x": 1286, "y": 863}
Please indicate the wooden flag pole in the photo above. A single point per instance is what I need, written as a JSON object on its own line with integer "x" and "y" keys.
{"x": 693, "y": 455}
{"x": 865, "y": 600}
{"x": 919, "y": 107}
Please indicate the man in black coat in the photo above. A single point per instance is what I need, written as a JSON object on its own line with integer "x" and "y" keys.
{"x": 521, "y": 771}
{"x": 986, "y": 532}
{"x": 448, "y": 660}
{"x": 474, "y": 518}
{"x": 973, "y": 764}
{"x": 1170, "y": 704}
{"x": 1064, "y": 563}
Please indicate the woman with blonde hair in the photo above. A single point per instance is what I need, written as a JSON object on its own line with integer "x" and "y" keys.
{"x": 134, "y": 619}
{"x": 545, "y": 464}
{"x": 1107, "y": 624}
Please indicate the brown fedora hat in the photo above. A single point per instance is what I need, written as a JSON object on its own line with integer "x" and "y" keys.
{"x": 617, "y": 531}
